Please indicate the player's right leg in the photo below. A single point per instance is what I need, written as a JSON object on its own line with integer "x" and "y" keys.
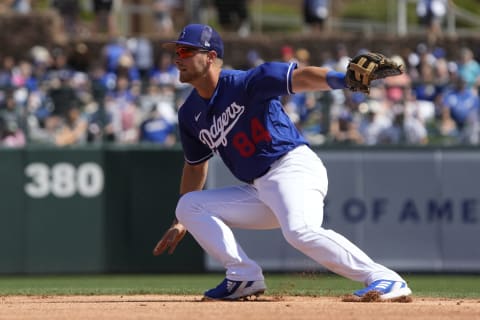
{"x": 294, "y": 189}
{"x": 208, "y": 216}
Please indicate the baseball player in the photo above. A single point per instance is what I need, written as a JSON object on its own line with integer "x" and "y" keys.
{"x": 238, "y": 116}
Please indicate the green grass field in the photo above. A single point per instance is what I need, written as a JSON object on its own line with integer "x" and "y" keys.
{"x": 311, "y": 284}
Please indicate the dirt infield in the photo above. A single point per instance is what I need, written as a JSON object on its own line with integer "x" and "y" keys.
{"x": 191, "y": 307}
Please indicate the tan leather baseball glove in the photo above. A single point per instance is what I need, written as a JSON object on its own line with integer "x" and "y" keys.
{"x": 366, "y": 67}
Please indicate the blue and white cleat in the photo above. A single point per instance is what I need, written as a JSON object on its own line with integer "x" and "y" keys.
{"x": 235, "y": 290}
{"x": 388, "y": 289}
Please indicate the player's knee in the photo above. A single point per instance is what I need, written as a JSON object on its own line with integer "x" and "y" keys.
{"x": 297, "y": 238}
{"x": 187, "y": 205}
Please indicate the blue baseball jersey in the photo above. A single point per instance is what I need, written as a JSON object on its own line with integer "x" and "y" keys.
{"x": 243, "y": 122}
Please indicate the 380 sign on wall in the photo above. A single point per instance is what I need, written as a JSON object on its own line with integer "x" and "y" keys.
{"x": 64, "y": 180}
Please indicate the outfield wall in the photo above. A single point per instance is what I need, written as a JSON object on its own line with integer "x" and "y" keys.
{"x": 90, "y": 210}
{"x": 102, "y": 209}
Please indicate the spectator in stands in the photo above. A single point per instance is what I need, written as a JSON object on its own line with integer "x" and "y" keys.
{"x": 307, "y": 109}
{"x": 373, "y": 122}
{"x": 19, "y": 6}
{"x": 41, "y": 60}
{"x": 315, "y": 14}
{"x": 59, "y": 67}
{"x": 344, "y": 129}
{"x": 100, "y": 120}
{"x": 254, "y": 59}
{"x": 23, "y": 77}
{"x": 426, "y": 88}
{"x": 433, "y": 76}
{"x": 339, "y": 61}
{"x": 118, "y": 59}
{"x": 166, "y": 74}
{"x": 100, "y": 126}
{"x": 287, "y": 54}
{"x": 69, "y": 10}
{"x": 233, "y": 15}
{"x": 112, "y": 51}
{"x": 396, "y": 86}
{"x": 142, "y": 52}
{"x": 442, "y": 69}
{"x": 422, "y": 111}
{"x": 82, "y": 86}
{"x": 163, "y": 17}
{"x": 164, "y": 71}
{"x": 302, "y": 56}
{"x": 156, "y": 128}
{"x": 342, "y": 57}
{"x": 408, "y": 116}
{"x": 431, "y": 14}
{"x": 312, "y": 115}
{"x": 404, "y": 130}
{"x": 198, "y": 11}
{"x": 121, "y": 68}
{"x": 73, "y": 128}
{"x": 163, "y": 98}
{"x": 122, "y": 93}
{"x": 79, "y": 57}
{"x": 10, "y": 135}
{"x": 60, "y": 95}
{"x": 6, "y": 71}
{"x": 12, "y": 132}
{"x": 40, "y": 127}
{"x": 460, "y": 113}
{"x": 469, "y": 68}
{"x": 104, "y": 18}
{"x": 121, "y": 103}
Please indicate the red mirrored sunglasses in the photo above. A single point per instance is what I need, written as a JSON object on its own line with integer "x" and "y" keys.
{"x": 185, "y": 52}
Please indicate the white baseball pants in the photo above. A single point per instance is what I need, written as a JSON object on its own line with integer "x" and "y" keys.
{"x": 290, "y": 196}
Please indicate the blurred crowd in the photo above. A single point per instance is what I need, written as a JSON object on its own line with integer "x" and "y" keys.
{"x": 436, "y": 101}
{"x": 54, "y": 97}
{"x": 129, "y": 95}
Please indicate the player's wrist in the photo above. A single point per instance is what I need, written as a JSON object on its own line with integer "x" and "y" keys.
{"x": 336, "y": 80}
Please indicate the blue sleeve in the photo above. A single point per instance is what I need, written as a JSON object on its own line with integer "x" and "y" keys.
{"x": 194, "y": 150}
{"x": 271, "y": 79}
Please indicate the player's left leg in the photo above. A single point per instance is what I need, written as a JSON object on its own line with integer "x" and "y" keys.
{"x": 208, "y": 215}
{"x": 294, "y": 189}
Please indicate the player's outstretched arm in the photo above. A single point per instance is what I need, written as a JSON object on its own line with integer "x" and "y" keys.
{"x": 311, "y": 78}
{"x": 361, "y": 71}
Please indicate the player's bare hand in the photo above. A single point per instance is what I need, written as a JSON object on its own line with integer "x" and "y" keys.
{"x": 170, "y": 239}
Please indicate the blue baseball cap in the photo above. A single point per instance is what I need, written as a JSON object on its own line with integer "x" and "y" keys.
{"x": 199, "y": 36}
